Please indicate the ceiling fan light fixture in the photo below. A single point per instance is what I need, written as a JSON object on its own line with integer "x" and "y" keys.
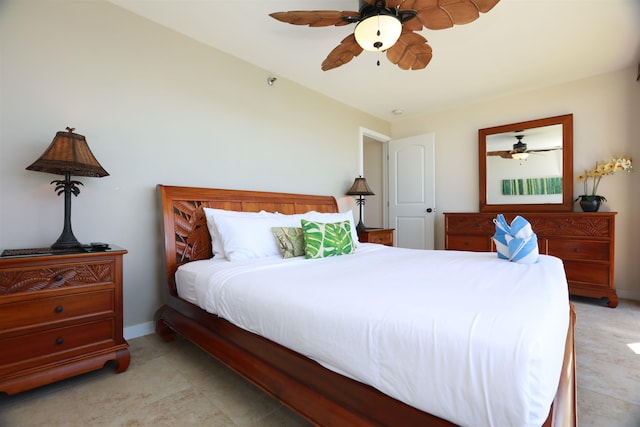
{"x": 378, "y": 32}
{"x": 520, "y": 156}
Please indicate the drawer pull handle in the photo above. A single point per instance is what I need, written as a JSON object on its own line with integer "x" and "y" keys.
{"x": 58, "y": 277}
{"x": 59, "y": 309}
{"x": 59, "y": 341}
{"x": 576, "y": 250}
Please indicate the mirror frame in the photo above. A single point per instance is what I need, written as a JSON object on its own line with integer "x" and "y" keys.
{"x": 567, "y": 166}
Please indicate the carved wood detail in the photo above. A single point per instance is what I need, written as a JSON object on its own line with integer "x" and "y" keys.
{"x": 192, "y": 235}
{"x": 55, "y": 277}
{"x": 556, "y": 224}
{"x": 572, "y": 226}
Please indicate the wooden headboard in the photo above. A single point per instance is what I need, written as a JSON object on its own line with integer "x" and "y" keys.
{"x": 186, "y": 236}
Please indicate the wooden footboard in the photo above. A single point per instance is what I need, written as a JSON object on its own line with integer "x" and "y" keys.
{"x": 564, "y": 412}
{"x": 323, "y": 397}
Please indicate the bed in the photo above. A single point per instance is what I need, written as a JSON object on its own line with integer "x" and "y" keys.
{"x": 321, "y": 390}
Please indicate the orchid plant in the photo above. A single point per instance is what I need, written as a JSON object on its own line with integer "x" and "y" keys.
{"x": 603, "y": 168}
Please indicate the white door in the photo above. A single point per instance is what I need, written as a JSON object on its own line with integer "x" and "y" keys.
{"x": 412, "y": 191}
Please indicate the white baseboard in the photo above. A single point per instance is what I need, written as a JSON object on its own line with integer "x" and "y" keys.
{"x": 632, "y": 295}
{"x": 139, "y": 330}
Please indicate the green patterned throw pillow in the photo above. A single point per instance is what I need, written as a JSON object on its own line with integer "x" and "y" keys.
{"x": 290, "y": 241}
{"x": 324, "y": 240}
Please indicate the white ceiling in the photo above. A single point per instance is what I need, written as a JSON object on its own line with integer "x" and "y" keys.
{"x": 518, "y": 46}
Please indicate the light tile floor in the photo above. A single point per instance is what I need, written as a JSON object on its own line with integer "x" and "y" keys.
{"x": 608, "y": 370}
{"x": 176, "y": 384}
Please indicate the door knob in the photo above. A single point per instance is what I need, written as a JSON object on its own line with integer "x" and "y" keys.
{"x": 429, "y": 210}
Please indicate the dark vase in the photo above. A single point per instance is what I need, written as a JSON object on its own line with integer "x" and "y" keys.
{"x": 591, "y": 204}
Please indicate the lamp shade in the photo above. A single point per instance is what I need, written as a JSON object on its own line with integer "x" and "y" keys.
{"x": 68, "y": 153}
{"x": 378, "y": 32}
{"x": 360, "y": 188}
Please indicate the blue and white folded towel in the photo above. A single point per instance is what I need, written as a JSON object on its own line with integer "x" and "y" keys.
{"x": 516, "y": 242}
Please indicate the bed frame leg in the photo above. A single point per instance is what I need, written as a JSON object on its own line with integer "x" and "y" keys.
{"x": 162, "y": 328}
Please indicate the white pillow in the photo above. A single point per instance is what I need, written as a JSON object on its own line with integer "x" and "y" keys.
{"x": 244, "y": 235}
{"x": 334, "y": 217}
{"x": 216, "y": 242}
{"x": 247, "y": 237}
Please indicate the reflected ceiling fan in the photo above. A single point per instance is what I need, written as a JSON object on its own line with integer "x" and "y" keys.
{"x": 519, "y": 151}
{"x": 389, "y": 26}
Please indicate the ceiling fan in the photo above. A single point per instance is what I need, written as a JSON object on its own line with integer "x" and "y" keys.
{"x": 389, "y": 26}
{"x": 519, "y": 151}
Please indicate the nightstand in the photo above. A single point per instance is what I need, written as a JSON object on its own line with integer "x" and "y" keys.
{"x": 382, "y": 236}
{"x": 60, "y": 315}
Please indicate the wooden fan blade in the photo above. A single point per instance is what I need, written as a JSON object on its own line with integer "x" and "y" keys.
{"x": 544, "y": 149}
{"x": 485, "y": 6}
{"x": 343, "y": 53}
{"x": 390, "y": 3}
{"x": 411, "y": 51}
{"x": 413, "y": 24}
{"x": 440, "y": 14}
{"x": 503, "y": 154}
{"x": 315, "y": 18}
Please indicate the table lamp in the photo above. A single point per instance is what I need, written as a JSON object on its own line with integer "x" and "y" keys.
{"x": 68, "y": 155}
{"x": 360, "y": 189}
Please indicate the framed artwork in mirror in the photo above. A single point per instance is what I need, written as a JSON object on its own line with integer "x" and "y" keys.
{"x": 527, "y": 166}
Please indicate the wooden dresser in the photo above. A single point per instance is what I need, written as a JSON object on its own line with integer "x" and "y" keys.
{"x": 584, "y": 241}
{"x": 60, "y": 316}
{"x": 382, "y": 236}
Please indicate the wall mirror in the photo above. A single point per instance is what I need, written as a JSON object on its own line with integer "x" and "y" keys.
{"x": 527, "y": 166}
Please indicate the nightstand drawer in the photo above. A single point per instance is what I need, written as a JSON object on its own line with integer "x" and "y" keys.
{"x": 29, "y": 278}
{"x": 54, "y": 309}
{"x": 381, "y": 236}
{"x": 52, "y": 342}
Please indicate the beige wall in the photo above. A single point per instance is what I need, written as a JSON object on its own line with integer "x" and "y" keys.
{"x": 606, "y": 109}
{"x": 373, "y": 211}
{"x": 155, "y": 107}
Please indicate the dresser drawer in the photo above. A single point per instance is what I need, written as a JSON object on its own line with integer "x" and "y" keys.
{"x": 470, "y": 224}
{"x": 59, "y": 342}
{"x": 459, "y": 242}
{"x": 54, "y": 309}
{"x": 593, "y": 226}
{"x": 588, "y": 272}
{"x": 30, "y": 278}
{"x": 579, "y": 249}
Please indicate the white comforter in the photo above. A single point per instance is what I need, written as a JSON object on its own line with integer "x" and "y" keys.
{"x": 466, "y": 336}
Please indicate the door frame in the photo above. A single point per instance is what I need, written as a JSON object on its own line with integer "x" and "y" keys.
{"x": 384, "y": 140}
